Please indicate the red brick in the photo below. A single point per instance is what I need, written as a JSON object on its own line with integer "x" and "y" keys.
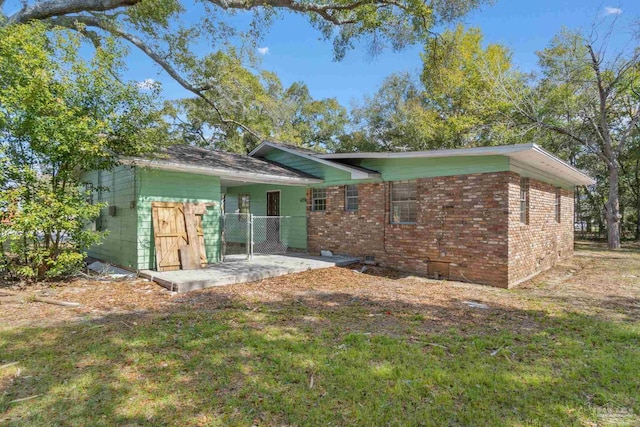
{"x": 471, "y": 222}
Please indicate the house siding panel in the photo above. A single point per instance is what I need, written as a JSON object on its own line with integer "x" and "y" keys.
{"x": 414, "y": 168}
{"x": 329, "y": 174}
{"x": 119, "y": 245}
{"x": 166, "y": 186}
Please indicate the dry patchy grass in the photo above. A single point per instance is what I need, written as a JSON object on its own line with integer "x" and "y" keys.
{"x": 332, "y": 347}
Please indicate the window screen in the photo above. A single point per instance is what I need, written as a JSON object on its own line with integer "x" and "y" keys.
{"x": 524, "y": 200}
{"x": 557, "y": 204}
{"x": 403, "y": 202}
{"x": 351, "y": 198}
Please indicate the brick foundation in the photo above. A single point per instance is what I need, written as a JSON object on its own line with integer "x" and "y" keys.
{"x": 464, "y": 228}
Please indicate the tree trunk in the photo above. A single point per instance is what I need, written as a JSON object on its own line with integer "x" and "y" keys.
{"x": 612, "y": 208}
{"x": 638, "y": 218}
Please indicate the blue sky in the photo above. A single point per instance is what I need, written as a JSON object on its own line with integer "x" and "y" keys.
{"x": 294, "y": 50}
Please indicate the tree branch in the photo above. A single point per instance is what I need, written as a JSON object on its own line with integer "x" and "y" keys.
{"x": 602, "y": 104}
{"x": 51, "y": 8}
{"x": 96, "y": 22}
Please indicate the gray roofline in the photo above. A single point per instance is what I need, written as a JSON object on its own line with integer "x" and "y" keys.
{"x": 251, "y": 177}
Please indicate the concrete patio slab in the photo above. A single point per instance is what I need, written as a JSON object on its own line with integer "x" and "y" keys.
{"x": 241, "y": 270}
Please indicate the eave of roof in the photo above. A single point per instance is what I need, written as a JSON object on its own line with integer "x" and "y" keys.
{"x": 231, "y": 174}
{"x": 528, "y": 154}
{"x": 356, "y": 172}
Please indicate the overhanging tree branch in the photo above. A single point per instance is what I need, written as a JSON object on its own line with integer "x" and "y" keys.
{"x": 80, "y": 21}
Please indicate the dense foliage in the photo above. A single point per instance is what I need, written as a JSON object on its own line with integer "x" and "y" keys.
{"x": 60, "y": 115}
{"x": 257, "y": 106}
{"x": 172, "y": 34}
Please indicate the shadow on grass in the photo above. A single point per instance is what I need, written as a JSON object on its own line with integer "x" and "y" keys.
{"x": 591, "y": 246}
{"x": 318, "y": 359}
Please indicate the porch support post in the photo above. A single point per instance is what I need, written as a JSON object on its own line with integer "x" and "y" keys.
{"x": 250, "y": 236}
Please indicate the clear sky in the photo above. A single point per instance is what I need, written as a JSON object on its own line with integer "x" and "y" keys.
{"x": 295, "y": 52}
{"x": 293, "y": 49}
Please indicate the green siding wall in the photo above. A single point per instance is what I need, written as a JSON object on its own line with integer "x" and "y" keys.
{"x": 330, "y": 175}
{"x": 411, "y": 168}
{"x": 167, "y": 186}
{"x": 119, "y": 246}
{"x": 394, "y": 169}
{"x": 292, "y": 203}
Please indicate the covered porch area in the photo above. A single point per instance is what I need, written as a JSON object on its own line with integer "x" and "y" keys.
{"x": 240, "y": 269}
{"x": 263, "y": 218}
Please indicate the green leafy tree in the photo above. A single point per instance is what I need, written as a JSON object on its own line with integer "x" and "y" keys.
{"x": 454, "y": 103}
{"x": 60, "y": 115}
{"x": 157, "y": 28}
{"x": 588, "y": 101}
{"x": 257, "y": 107}
{"x": 459, "y": 78}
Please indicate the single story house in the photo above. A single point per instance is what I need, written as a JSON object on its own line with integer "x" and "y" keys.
{"x": 491, "y": 215}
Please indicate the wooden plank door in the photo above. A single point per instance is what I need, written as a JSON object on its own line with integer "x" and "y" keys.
{"x": 169, "y": 234}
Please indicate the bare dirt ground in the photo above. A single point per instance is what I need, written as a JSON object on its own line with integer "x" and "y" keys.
{"x": 595, "y": 282}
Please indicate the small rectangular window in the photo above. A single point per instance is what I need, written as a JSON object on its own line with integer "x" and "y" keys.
{"x": 404, "y": 196}
{"x": 557, "y": 204}
{"x": 244, "y": 203}
{"x": 319, "y": 199}
{"x": 524, "y": 200}
{"x": 351, "y": 198}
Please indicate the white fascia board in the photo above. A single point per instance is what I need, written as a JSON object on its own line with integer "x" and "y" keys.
{"x": 258, "y": 149}
{"x": 355, "y": 173}
{"x": 249, "y": 177}
{"x": 543, "y": 161}
{"x": 455, "y": 152}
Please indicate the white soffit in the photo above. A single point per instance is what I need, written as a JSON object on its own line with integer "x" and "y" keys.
{"x": 545, "y": 162}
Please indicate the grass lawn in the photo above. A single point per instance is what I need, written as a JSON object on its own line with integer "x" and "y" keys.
{"x": 332, "y": 347}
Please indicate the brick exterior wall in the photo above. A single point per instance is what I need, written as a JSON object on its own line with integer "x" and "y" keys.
{"x": 463, "y": 230}
{"x": 537, "y": 246}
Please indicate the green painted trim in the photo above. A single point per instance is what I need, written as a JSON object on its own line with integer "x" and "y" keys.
{"x": 322, "y": 171}
{"x": 413, "y": 168}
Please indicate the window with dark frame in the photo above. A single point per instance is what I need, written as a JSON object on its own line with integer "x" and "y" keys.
{"x": 557, "y": 205}
{"x": 404, "y": 196}
{"x": 319, "y": 199}
{"x": 351, "y": 198}
{"x": 524, "y": 200}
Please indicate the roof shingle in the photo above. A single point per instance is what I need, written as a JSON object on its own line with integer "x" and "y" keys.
{"x": 196, "y": 156}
